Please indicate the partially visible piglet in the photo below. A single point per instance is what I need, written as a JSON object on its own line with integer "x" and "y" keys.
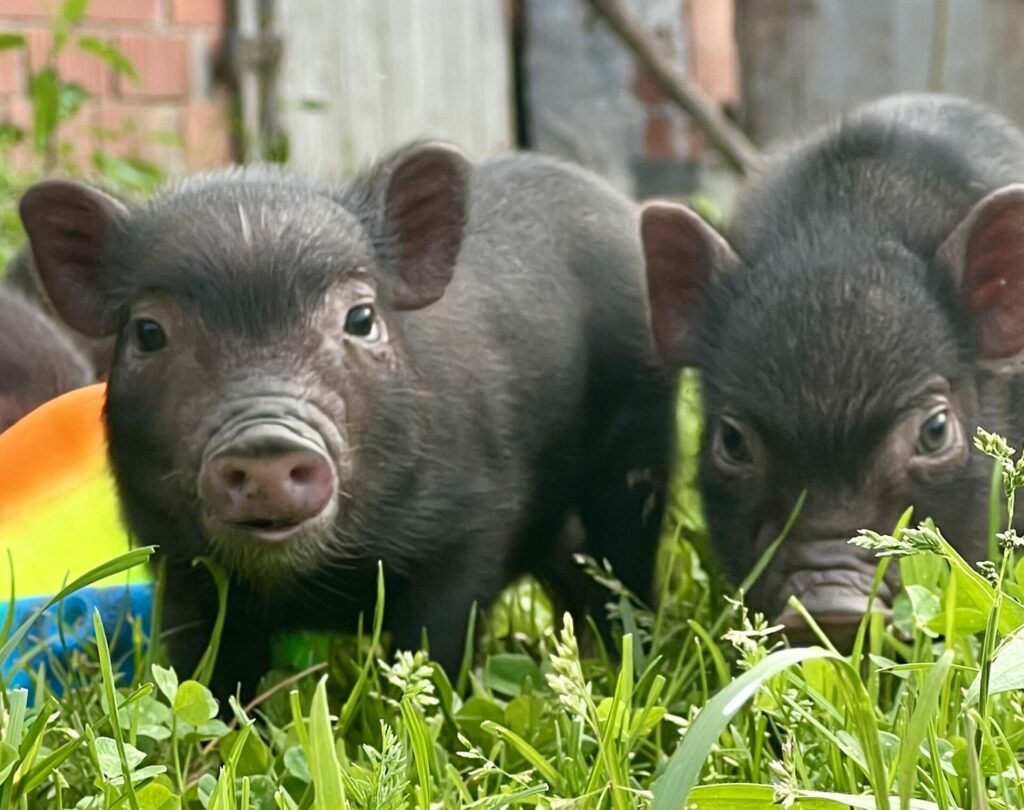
{"x": 21, "y": 277}
{"x": 37, "y": 361}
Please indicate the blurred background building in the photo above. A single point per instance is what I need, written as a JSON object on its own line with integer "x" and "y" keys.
{"x": 330, "y": 84}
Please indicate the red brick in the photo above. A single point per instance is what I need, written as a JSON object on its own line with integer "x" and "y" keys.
{"x": 11, "y": 79}
{"x": 659, "y": 137}
{"x": 713, "y": 58}
{"x": 197, "y": 12}
{"x": 73, "y": 65}
{"x": 116, "y": 10}
{"x": 27, "y": 8}
{"x": 39, "y": 41}
{"x": 19, "y": 113}
{"x": 645, "y": 88}
{"x": 88, "y": 70}
{"x": 162, "y": 65}
{"x": 697, "y": 143}
{"x": 207, "y": 141}
{"x": 123, "y": 10}
{"x": 147, "y": 131}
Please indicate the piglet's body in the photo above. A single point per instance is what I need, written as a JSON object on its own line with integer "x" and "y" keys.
{"x": 440, "y": 367}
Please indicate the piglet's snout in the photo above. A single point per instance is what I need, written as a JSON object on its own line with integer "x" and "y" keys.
{"x": 267, "y": 482}
{"x": 837, "y": 599}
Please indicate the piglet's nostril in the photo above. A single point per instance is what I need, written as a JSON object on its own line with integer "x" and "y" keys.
{"x": 303, "y": 473}
{"x": 235, "y": 478}
{"x": 311, "y": 479}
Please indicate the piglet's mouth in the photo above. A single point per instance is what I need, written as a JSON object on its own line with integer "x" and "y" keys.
{"x": 837, "y": 601}
{"x": 266, "y": 533}
{"x": 272, "y": 531}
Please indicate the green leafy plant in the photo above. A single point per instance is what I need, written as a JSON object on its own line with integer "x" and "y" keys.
{"x": 56, "y": 101}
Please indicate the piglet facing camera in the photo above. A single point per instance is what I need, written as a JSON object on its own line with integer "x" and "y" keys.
{"x": 863, "y": 319}
{"x": 442, "y": 367}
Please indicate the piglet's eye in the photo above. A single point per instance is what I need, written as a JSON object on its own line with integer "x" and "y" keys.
{"x": 149, "y": 335}
{"x": 361, "y": 322}
{"x": 730, "y": 445}
{"x": 936, "y": 434}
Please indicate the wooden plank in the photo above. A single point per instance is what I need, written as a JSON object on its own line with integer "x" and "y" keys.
{"x": 382, "y": 72}
{"x": 772, "y": 37}
{"x": 804, "y": 61}
{"x": 1004, "y": 45}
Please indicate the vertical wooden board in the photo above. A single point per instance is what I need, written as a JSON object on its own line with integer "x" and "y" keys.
{"x": 771, "y": 40}
{"x": 497, "y": 62}
{"x": 452, "y": 69}
{"x": 305, "y": 83}
{"x": 432, "y": 33}
{"x": 476, "y": 107}
{"x": 366, "y": 81}
{"x": 402, "y": 53}
{"x": 1004, "y": 33}
{"x": 387, "y": 71}
{"x": 466, "y": 105}
{"x": 966, "y": 45}
{"x": 470, "y": 106}
{"x": 804, "y": 61}
{"x": 850, "y": 55}
{"x": 421, "y": 87}
{"x": 339, "y": 105}
{"x": 912, "y": 34}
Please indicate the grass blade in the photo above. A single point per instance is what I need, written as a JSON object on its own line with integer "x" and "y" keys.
{"x": 686, "y": 763}
{"x": 917, "y": 727}
{"x": 111, "y": 695}
{"x": 528, "y": 752}
{"x": 348, "y": 710}
{"x": 323, "y": 758}
{"x": 204, "y": 669}
{"x": 419, "y": 741}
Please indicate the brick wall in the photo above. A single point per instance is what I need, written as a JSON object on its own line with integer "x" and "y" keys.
{"x": 589, "y": 100}
{"x": 710, "y": 61}
{"x": 175, "y": 116}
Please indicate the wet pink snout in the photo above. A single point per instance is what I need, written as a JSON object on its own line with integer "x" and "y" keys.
{"x": 276, "y": 489}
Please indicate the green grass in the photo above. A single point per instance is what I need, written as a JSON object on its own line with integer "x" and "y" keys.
{"x": 700, "y": 706}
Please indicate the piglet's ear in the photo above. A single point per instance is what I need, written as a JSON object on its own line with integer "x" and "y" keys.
{"x": 68, "y": 225}
{"x": 985, "y": 256}
{"x": 682, "y": 253}
{"x": 425, "y": 209}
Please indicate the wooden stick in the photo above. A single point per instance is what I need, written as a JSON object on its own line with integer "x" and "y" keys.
{"x": 729, "y": 140}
